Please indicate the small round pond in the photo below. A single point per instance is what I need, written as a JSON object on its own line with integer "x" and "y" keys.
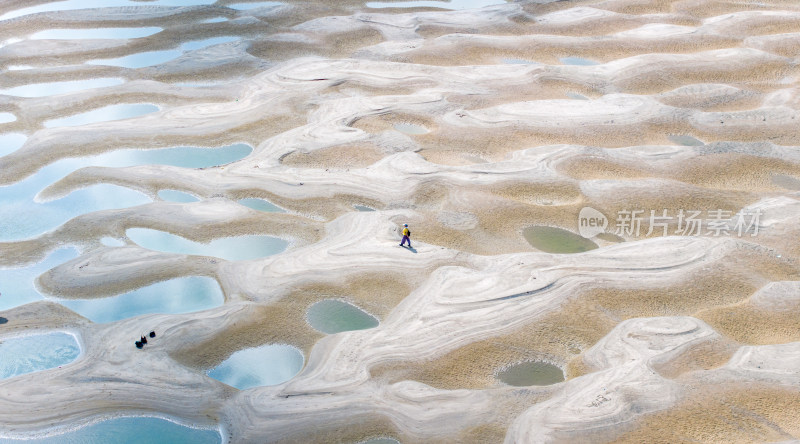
{"x": 531, "y": 373}
{"x": 333, "y": 316}
{"x": 129, "y": 430}
{"x": 28, "y": 354}
{"x": 270, "y": 364}
{"x": 557, "y": 240}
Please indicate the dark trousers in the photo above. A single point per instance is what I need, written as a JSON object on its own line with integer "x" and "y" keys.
{"x": 406, "y": 239}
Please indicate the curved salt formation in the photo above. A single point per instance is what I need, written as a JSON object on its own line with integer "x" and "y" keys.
{"x": 414, "y": 112}
{"x": 624, "y": 385}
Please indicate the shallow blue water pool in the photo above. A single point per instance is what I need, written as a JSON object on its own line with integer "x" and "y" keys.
{"x": 259, "y": 366}
{"x": 261, "y": 205}
{"x": 181, "y": 295}
{"x": 28, "y": 354}
{"x": 130, "y": 430}
{"x": 177, "y": 196}
{"x": 23, "y": 217}
{"x": 55, "y": 88}
{"x": 16, "y": 284}
{"x": 237, "y": 248}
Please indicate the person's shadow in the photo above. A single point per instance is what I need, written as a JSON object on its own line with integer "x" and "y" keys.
{"x": 3, "y": 320}
{"x": 411, "y": 249}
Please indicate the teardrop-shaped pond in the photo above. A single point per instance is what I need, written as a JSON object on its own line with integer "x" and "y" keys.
{"x": 240, "y": 248}
{"x": 270, "y": 364}
{"x": 333, "y": 316}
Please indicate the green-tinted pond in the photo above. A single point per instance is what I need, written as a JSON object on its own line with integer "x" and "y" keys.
{"x": 610, "y": 237}
{"x": 557, "y": 240}
{"x": 333, "y": 316}
{"x": 531, "y": 373}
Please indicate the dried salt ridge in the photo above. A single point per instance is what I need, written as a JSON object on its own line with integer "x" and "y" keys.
{"x": 412, "y": 112}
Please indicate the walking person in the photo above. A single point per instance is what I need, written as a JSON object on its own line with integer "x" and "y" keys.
{"x": 406, "y": 236}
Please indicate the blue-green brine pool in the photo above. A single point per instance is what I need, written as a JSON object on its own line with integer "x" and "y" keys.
{"x": 334, "y": 316}
{"x": 270, "y": 364}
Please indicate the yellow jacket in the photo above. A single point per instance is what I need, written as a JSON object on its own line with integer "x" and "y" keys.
{"x": 406, "y": 232}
